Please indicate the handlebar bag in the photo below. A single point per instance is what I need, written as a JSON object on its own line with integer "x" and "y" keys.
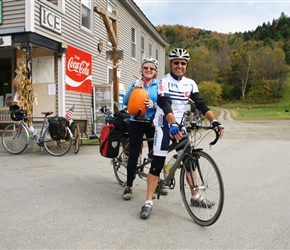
{"x": 110, "y": 141}
{"x": 57, "y": 127}
{"x": 119, "y": 121}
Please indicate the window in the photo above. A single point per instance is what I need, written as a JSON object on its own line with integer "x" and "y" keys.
{"x": 157, "y": 54}
{"x": 133, "y": 39}
{"x": 110, "y": 75}
{"x": 142, "y": 48}
{"x": 55, "y": 4}
{"x": 110, "y": 8}
{"x": 150, "y": 49}
{"x": 87, "y": 14}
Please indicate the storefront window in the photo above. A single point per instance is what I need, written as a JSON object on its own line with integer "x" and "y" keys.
{"x": 5, "y": 82}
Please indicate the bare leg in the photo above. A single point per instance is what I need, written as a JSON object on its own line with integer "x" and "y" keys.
{"x": 197, "y": 201}
{"x": 152, "y": 182}
{"x": 189, "y": 181}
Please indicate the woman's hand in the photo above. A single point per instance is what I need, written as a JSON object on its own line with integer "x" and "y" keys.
{"x": 149, "y": 103}
{"x": 138, "y": 84}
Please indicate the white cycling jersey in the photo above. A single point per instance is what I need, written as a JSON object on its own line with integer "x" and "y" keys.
{"x": 179, "y": 92}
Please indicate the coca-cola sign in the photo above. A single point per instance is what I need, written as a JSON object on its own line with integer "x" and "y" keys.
{"x": 78, "y": 70}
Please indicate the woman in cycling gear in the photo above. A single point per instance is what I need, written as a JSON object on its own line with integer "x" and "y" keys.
{"x": 137, "y": 129}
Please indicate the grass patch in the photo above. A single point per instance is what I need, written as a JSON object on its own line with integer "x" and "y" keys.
{"x": 259, "y": 113}
{"x": 91, "y": 142}
{"x": 272, "y": 111}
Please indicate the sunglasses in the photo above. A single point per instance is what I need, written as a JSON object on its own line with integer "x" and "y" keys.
{"x": 148, "y": 68}
{"x": 182, "y": 63}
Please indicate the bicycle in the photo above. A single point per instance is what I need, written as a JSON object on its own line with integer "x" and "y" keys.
{"x": 16, "y": 136}
{"x": 198, "y": 172}
{"x": 76, "y": 136}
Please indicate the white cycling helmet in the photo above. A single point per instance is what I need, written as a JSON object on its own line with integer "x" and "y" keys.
{"x": 150, "y": 60}
{"x": 178, "y": 53}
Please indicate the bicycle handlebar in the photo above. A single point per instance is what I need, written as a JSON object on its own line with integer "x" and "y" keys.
{"x": 217, "y": 135}
{"x": 195, "y": 126}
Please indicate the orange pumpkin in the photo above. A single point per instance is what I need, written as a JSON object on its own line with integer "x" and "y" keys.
{"x": 136, "y": 101}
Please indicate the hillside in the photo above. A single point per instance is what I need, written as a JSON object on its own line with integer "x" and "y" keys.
{"x": 252, "y": 66}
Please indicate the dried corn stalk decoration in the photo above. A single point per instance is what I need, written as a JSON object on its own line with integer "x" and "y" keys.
{"x": 25, "y": 91}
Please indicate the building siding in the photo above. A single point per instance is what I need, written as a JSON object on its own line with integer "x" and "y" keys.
{"x": 13, "y": 16}
{"x": 73, "y": 34}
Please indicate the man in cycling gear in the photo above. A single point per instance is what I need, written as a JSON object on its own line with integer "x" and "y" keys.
{"x": 174, "y": 90}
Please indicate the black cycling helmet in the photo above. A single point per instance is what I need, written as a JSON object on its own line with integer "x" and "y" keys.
{"x": 178, "y": 53}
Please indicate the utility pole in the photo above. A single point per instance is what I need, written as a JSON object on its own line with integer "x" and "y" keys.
{"x": 111, "y": 23}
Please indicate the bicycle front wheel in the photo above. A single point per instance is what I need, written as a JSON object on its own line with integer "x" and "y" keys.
{"x": 120, "y": 162}
{"x": 15, "y": 138}
{"x": 57, "y": 147}
{"x": 200, "y": 175}
{"x": 76, "y": 138}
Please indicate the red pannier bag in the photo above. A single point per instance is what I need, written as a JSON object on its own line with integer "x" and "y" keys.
{"x": 110, "y": 141}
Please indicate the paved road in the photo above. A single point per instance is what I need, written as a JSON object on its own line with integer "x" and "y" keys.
{"x": 74, "y": 202}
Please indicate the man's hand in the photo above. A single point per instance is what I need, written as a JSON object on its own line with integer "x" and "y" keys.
{"x": 174, "y": 129}
{"x": 174, "y": 132}
{"x": 149, "y": 103}
{"x": 218, "y": 127}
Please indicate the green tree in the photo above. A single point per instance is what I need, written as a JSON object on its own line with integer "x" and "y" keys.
{"x": 211, "y": 92}
{"x": 286, "y": 48}
{"x": 241, "y": 66}
{"x": 203, "y": 65}
{"x": 171, "y": 34}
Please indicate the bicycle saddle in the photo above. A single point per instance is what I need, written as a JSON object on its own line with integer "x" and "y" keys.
{"x": 47, "y": 113}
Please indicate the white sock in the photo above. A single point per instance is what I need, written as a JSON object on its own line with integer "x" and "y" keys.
{"x": 196, "y": 196}
{"x": 149, "y": 202}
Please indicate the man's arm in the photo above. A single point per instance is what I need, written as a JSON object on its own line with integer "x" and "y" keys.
{"x": 210, "y": 116}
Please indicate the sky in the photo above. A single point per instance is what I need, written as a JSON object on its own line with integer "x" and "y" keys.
{"x": 221, "y": 16}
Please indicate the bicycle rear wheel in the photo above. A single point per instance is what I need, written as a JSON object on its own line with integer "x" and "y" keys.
{"x": 15, "y": 138}
{"x": 57, "y": 147}
{"x": 76, "y": 138}
{"x": 120, "y": 162}
{"x": 204, "y": 172}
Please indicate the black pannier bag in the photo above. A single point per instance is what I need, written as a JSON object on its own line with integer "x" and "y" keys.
{"x": 15, "y": 113}
{"x": 119, "y": 121}
{"x": 110, "y": 141}
{"x": 57, "y": 127}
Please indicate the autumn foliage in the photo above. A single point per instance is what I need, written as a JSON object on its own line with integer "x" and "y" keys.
{"x": 252, "y": 66}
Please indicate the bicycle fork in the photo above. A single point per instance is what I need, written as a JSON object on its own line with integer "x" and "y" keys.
{"x": 194, "y": 173}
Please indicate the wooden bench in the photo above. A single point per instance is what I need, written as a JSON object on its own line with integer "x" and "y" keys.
{"x": 4, "y": 117}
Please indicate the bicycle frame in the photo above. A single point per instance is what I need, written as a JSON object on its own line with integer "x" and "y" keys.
{"x": 40, "y": 141}
{"x": 187, "y": 150}
{"x": 173, "y": 146}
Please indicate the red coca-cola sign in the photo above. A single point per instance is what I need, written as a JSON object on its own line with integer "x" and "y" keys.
{"x": 78, "y": 70}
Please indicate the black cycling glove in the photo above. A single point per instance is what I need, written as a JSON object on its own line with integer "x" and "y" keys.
{"x": 215, "y": 124}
